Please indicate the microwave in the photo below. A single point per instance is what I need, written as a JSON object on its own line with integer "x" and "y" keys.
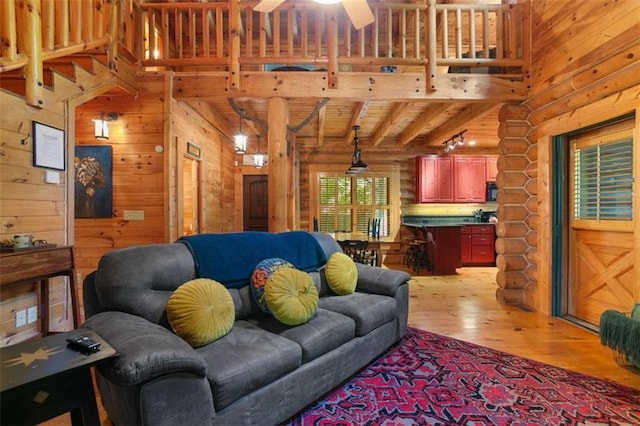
{"x": 492, "y": 191}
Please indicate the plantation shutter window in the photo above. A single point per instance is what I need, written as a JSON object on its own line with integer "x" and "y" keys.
{"x": 349, "y": 204}
{"x": 602, "y": 178}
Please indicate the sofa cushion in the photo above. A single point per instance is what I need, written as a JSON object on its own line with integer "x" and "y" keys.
{"x": 246, "y": 359}
{"x": 369, "y": 311}
{"x": 324, "y": 332}
{"x": 341, "y": 273}
{"x": 259, "y": 277}
{"x": 201, "y": 311}
{"x": 291, "y": 295}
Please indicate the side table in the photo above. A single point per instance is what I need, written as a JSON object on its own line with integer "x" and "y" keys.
{"x": 41, "y": 379}
{"x": 37, "y": 263}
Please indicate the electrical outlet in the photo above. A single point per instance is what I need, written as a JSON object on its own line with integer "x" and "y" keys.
{"x": 32, "y": 314}
{"x": 21, "y": 318}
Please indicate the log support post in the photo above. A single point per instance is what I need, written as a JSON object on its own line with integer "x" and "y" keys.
{"x": 279, "y": 165}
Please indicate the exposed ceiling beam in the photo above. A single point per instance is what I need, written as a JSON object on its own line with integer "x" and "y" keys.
{"x": 322, "y": 116}
{"x": 423, "y": 121}
{"x": 358, "y": 112}
{"x": 469, "y": 113}
{"x": 386, "y": 124}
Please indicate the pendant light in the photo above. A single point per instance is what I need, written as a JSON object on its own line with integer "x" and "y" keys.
{"x": 240, "y": 139}
{"x": 258, "y": 157}
{"x": 357, "y": 165}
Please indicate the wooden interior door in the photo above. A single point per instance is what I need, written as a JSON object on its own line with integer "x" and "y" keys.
{"x": 255, "y": 202}
{"x": 601, "y": 249}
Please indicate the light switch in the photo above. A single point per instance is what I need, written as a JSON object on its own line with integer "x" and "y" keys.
{"x": 133, "y": 215}
{"x": 51, "y": 176}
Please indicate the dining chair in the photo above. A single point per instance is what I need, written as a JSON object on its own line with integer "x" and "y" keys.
{"x": 356, "y": 249}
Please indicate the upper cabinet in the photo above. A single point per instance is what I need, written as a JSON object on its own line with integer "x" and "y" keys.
{"x": 452, "y": 178}
{"x": 434, "y": 179}
{"x": 469, "y": 179}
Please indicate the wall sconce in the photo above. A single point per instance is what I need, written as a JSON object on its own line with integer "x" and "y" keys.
{"x": 455, "y": 141}
{"x": 357, "y": 165}
{"x": 240, "y": 140}
{"x": 258, "y": 157}
{"x": 101, "y": 130}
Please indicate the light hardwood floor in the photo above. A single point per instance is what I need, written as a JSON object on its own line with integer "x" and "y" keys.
{"x": 463, "y": 306}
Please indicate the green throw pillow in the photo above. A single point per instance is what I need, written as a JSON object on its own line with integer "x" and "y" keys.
{"x": 341, "y": 273}
{"x": 201, "y": 311}
{"x": 291, "y": 296}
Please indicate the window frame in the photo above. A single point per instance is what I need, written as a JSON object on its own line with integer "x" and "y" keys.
{"x": 391, "y": 172}
{"x": 608, "y": 134}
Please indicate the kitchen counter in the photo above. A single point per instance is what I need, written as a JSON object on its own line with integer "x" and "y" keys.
{"x": 446, "y": 232}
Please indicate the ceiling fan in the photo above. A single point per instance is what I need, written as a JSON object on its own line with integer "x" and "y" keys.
{"x": 358, "y": 10}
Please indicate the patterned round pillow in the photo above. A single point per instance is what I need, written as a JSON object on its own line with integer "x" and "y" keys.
{"x": 259, "y": 278}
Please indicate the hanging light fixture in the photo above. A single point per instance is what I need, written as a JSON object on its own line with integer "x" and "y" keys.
{"x": 258, "y": 157}
{"x": 240, "y": 139}
{"x": 357, "y": 165}
{"x": 101, "y": 130}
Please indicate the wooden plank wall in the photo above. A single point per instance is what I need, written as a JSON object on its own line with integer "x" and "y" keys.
{"x": 28, "y": 205}
{"x": 585, "y": 70}
{"x": 138, "y": 173}
{"x": 217, "y": 168}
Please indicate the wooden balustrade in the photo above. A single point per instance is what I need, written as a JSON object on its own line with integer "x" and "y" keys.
{"x": 232, "y": 37}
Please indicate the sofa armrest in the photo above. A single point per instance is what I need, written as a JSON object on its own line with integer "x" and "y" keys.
{"x": 145, "y": 350}
{"x": 377, "y": 280}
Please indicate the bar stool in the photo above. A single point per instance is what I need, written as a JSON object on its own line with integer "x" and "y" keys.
{"x": 422, "y": 257}
{"x": 410, "y": 254}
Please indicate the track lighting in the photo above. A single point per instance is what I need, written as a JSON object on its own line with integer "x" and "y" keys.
{"x": 455, "y": 141}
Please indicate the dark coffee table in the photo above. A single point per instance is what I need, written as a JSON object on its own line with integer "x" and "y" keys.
{"x": 41, "y": 379}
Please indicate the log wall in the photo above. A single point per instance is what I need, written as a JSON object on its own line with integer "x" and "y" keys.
{"x": 585, "y": 70}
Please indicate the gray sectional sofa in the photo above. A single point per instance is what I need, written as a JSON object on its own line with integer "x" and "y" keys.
{"x": 260, "y": 373}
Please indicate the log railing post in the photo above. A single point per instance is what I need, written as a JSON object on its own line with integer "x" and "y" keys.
{"x": 112, "y": 51}
{"x": 234, "y": 45}
{"x": 332, "y": 51}
{"x": 431, "y": 47}
{"x": 29, "y": 19}
{"x": 8, "y": 32}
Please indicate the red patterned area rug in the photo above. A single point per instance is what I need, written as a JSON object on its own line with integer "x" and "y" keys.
{"x": 430, "y": 379}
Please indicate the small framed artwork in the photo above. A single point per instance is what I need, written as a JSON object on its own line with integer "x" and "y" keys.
{"x": 93, "y": 181}
{"x": 193, "y": 150}
{"x": 48, "y": 146}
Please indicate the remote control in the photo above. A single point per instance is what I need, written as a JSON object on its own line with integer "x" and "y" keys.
{"x": 83, "y": 344}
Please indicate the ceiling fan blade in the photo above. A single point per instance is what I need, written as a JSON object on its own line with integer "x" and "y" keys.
{"x": 359, "y": 12}
{"x": 267, "y": 6}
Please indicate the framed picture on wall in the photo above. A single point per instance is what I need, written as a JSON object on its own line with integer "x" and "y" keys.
{"x": 48, "y": 146}
{"x": 93, "y": 181}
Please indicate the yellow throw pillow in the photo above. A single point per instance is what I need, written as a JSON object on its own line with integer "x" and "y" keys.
{"x": 291, "y": 296}
{"x": 201, "y": 311}
{"x": 341, "y": 273}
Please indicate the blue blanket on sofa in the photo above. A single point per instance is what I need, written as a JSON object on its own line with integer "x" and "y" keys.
{"x": 230, "y": 258}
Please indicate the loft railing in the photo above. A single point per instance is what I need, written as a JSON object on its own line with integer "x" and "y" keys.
{"x": 231, "y": 37}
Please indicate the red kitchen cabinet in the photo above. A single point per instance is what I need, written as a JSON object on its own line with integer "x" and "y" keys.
{"x": 434, "y": 179}
{"x": 470, "y": 179}
{"x": 478, "y": 245}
